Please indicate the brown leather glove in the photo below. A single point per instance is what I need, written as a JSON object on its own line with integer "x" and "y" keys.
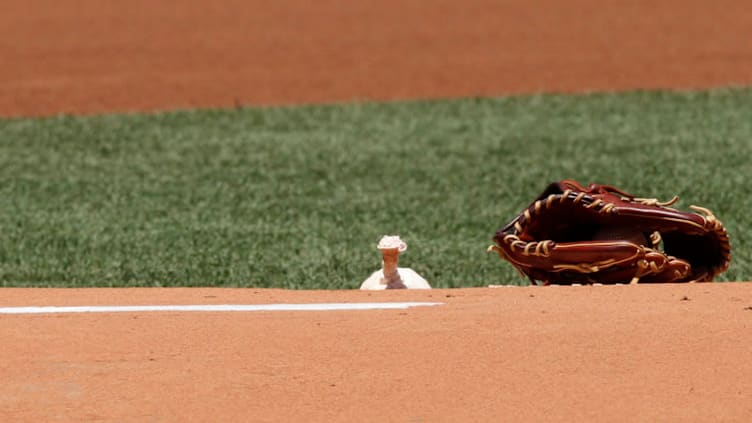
{"x": 600, "y": 234}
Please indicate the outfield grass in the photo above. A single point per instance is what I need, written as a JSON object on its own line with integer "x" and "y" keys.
{"x": 298, "y": 197}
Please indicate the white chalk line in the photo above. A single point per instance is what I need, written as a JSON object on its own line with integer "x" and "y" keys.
{"x": 214, "y": 308}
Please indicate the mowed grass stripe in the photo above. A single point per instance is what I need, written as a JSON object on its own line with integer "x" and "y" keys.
{"x": 297, "y": 197}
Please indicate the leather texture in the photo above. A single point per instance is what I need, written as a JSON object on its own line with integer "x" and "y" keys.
{"x": 601, "y": 234}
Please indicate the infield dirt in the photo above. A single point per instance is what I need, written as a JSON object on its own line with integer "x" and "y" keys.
{"x": 89, "y": 56}
{"x": 591, "y": 353}
{"x": 618, "y": 353}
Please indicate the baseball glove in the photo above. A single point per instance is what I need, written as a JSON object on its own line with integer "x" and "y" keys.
{"x": 600, "y": 234}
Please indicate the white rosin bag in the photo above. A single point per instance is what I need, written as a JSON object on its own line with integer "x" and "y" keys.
{"x": 390, "y": 276}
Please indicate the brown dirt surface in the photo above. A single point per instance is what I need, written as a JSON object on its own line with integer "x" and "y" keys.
{"x": 593, "y": 353}
{"x": 92, "y": 56}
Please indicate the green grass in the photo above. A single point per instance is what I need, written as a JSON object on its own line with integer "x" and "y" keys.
{"x": 298, "y": 197}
